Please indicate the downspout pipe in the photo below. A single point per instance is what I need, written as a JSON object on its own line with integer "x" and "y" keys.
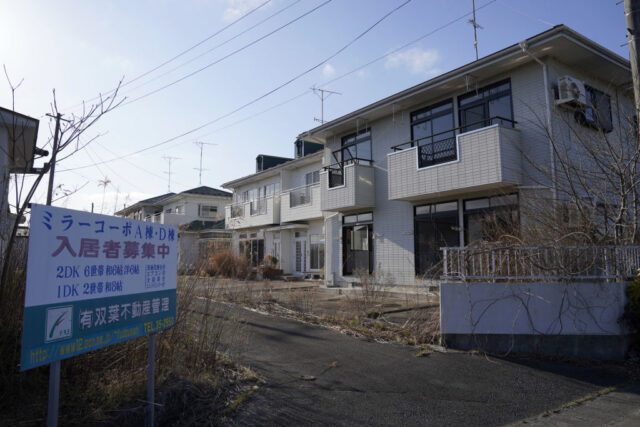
{"x": 545, "y": 77}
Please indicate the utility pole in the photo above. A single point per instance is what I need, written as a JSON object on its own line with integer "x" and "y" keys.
{"x": 169, "y": 159}
{"x": 54, "y": 153}
{"x": 476, "y": 26}
{"x": 632, "y": 14}
{"x": 201, "y": 144}
{"x": 322, "y": 94}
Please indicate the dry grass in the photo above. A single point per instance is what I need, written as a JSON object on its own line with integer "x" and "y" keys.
{"x": 224, "y": 263}
{"x": 195, "y": 384}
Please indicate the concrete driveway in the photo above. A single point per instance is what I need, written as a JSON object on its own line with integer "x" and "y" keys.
{"x": 315, "y": 375}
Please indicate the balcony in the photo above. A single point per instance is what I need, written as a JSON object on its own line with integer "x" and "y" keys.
{"x": 348, "y": 187}
{"x": 256, "y": 213}
{"x": 300, "y": 204}
{"x": 481, "y": 159}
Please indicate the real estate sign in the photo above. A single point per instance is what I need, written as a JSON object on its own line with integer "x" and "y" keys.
{"x": 94, "y": 280}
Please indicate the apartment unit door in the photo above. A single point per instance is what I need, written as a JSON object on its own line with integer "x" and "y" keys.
{"x": 300, "y": 253}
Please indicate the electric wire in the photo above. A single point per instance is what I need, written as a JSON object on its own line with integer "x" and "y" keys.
{"x": 242, "y": 107}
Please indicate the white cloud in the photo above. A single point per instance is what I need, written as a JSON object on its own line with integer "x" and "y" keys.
{"x": 418, "y": 61}
{"x": 236, "y": 8}
{"x": 328, "y": 70}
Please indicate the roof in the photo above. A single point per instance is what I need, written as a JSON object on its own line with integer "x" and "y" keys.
{"x": 208, "y": 191}
{"x": 152, "y": 201}
{"x": 571, "y": 47}
{"x": 199, "y": 225}
{"x": 291, "y": 164}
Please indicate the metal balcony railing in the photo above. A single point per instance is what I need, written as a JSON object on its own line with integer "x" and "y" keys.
{"x": 541, "y": 263}
{"x": 336, "y": 170}
{"x": 441, "y": 147}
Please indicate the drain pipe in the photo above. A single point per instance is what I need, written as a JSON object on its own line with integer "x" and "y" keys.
{"x": 545, "y": 76}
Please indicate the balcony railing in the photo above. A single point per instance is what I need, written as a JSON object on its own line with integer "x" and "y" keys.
{"x": 237, "y": 211}
{"x": 441, "y": 147}
{"x": 336, "y": 170}
{"x": 258, "y": 206}
{"x": 301, "y": 195}
{"x": 541, "y": 263}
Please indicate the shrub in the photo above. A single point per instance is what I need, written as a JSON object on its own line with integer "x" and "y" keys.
{"x": 631, "y": 316}
{"x": 227, "y": 264}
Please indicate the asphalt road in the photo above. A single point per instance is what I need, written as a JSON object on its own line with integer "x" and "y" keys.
{"x": 316, "y": 375}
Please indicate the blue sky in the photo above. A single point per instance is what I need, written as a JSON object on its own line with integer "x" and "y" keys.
{"x": 82, "y": 48}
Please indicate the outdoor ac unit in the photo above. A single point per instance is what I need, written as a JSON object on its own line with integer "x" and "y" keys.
{"x": 571, "y": 91}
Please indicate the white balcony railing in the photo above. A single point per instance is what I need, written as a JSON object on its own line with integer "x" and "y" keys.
{"x": 541, "y": 263}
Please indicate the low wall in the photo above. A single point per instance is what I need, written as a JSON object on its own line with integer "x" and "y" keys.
{"x": 563, "y": 319}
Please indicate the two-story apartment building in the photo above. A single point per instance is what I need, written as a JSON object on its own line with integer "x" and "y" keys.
{"x": 423, "y": 168}
{"x": 197, "y": 204}
{"x": 276, "y": 211}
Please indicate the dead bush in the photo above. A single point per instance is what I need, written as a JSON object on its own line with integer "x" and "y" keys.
{"x": 225, "y": 263}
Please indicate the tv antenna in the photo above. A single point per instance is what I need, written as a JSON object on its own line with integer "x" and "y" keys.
{"x": 201, "y": 145}
{"x": 476, "y": 27}
{"x": 169, "y": 159}
{"x": 322, "y": 94}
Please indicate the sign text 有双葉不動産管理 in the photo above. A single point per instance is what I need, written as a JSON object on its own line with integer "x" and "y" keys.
{"x": 94, "y": 280}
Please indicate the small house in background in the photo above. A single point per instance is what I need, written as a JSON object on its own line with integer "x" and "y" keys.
{"x": 199, "y": 215}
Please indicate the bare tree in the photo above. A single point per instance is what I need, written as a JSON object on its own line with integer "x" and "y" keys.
{"x": 71, "y": 140}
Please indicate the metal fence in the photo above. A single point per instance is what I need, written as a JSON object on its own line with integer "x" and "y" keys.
{"x": 541, "y": 263}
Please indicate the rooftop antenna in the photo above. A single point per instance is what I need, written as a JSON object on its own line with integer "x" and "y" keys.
{"x": 201, "y": 144}
{"x": 322, "y": 94}
{"x": 476, "y": 26}
{"x": 169, "y": 159}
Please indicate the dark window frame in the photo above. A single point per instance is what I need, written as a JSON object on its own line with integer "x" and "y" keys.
{"x": 347, "y": 227}
{"x": 489, "y": 209}
{"x": 597, "y": 121}
{"x": 426, "y": 155}
{"x": 484, "y": 100}
{"x": 421, "y": 217}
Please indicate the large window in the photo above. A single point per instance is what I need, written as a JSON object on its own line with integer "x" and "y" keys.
{"x": 252, "y": 248}
{"x": 355, "y": 148}
{"x": 435, "y": 226}
{"x": 357, "y": 243}
{"x": 490, "y": 218}
{"x": 597, "y": 112}
{"x": 489, "y": 105}
{"x": 432, "y": 130}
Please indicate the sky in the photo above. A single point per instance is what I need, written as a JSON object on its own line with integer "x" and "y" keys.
{"x": 259, "y": 60}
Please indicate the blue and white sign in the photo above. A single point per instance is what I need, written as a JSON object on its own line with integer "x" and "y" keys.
{"x": 94, "y": 280}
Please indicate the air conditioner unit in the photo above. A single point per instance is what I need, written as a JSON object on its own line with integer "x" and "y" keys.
{"x": 571, "y": 91}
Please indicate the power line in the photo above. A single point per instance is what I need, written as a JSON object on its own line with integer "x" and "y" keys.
{"x": 176, "y": 56}
{"x": 211, "y": 64}
{"x": 242, "y": 107}
{"x": 214, "y": 47}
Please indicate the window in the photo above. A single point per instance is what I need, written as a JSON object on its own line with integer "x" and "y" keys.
{"x": 208, "y": 211}
{"x": 597, "y": 112}
{"x": 490, "y": 218}
{"x": 317, "y": 252}
{"x": 432, "y": 132}
{"x": 312, "y": 178}
{"x": 179, "y": 210}
{"x": 487, "y": 106}
{"x": 167, "y": 211}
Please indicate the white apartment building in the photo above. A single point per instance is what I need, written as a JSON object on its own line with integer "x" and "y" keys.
{"x": 420, "y": 169}
{"x": 197, "y": 204}
{"x": 277, "y": 212}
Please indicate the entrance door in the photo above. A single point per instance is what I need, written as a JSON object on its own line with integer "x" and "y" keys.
{"x": 300, "y": 248}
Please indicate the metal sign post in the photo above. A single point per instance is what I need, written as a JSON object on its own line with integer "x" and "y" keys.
{"x": 54, "y": 394}
{"x": 151, "y": 370}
